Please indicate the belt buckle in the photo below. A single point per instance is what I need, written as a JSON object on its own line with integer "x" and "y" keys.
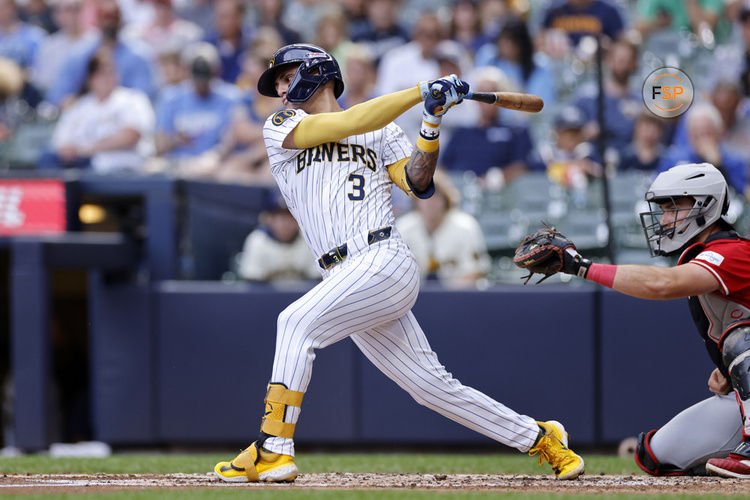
{"x": 378, "y": 235}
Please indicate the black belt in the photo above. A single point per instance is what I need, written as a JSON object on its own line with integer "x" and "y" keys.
{"x": 338, "y": 254}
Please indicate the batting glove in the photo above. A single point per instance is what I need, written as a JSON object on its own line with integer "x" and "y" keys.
{"x": 440, "y": 95}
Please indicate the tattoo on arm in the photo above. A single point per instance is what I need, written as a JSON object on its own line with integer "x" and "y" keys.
{"x": 421, "y": 168}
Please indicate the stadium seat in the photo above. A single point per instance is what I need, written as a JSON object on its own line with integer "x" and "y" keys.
{"x": 586, "y": 228}
{"x": 500, "y": 231}
{"x": 27, "y": 144}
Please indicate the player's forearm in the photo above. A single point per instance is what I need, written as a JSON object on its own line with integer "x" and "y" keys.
{"x": 163, "y": 143}
{"x": 124, "y": 139}
{"x": 645, "y": 282}
{"x": 362, "y": 118}
{"x": 421, "y": 168}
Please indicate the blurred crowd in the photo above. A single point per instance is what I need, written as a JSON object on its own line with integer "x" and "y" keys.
{"x": 169, "y": 86}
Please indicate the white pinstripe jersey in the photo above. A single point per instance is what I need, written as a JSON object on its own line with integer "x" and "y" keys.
{"x": 336, "y": 190}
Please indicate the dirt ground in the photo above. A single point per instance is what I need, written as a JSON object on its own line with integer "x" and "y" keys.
{"x": 603, "y": 484}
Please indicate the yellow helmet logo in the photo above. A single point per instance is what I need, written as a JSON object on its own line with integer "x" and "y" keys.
{"x": 270, "y": 63}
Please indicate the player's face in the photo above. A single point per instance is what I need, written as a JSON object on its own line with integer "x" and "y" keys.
{"x": 283, "y": 79}
{"x": 674, "y": 212}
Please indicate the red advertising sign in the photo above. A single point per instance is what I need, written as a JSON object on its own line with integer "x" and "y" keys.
{"x": 31, "y": 207}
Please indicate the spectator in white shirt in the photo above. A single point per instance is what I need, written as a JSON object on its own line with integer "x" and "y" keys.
{"x": 276, "y": 251}
{"x": 109, "y": 128}
{"x": 447, "y": 243}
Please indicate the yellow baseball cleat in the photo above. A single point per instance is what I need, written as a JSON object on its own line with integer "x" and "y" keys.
{"x": 553, "y": 448}
{"x": 256, "y": 464}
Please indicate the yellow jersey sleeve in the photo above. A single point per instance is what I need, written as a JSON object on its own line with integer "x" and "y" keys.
{"x": 365, "y": 117}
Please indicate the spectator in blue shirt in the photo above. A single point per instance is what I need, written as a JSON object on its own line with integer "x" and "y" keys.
{"x": 647, "y": 148}
{"x": 621, "y": 103}
{"x": 513, "y": 53}
{"x": 726, "y": 97}
{"x": 199, "y": 12}
{"x": 55, "y": 48}
{"x": 242, "y": 154}
{"x": 192, "y": 116}
{"x": 495, "y": 151}
{"x": 229, "y": 37}
{"x": 579, "y": 18}
{"x": 705, "y": 128}
{"x": 269, "y": 14}
{"x": 466, "y": 26}
{"x": 383, "y": 32}
{"x": 39, "y": 13}
{"x": 355, "y": 12}
{"x": 18, "y": 40}
{"x": 130, "y": 60}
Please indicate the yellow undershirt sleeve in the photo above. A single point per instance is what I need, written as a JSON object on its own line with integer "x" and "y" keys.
{"x": 397, "y": 173}
{"x": 365, "y": 117}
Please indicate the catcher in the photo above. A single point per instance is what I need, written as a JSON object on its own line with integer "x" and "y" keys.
{"x": 686, "y": 207}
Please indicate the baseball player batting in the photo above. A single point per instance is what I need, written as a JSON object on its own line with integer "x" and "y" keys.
{"x": 686, "y": 207}
{"x": 335, "y": 169}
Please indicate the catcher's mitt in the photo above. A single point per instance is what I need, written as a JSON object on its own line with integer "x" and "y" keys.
{"x": 546, "y": 252}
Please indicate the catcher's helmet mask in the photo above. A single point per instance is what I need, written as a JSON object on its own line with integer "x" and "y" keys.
{"x": 704, "y": 185}
{"x": 655, "y": 230}
{"x": 315, "y": 68}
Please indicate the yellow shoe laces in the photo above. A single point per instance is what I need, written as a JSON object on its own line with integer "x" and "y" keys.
{"x": 555, "y": 455}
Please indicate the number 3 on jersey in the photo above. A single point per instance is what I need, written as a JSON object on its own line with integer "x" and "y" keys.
{"x": 358, "y": 187}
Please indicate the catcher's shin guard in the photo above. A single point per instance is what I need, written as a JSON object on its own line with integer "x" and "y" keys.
{"x": 278, "y": 397}
{"x": 736, "y": 357}
{"x": 647, "y": 461}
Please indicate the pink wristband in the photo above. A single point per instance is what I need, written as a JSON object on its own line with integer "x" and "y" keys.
{"x": 604, "y": 274}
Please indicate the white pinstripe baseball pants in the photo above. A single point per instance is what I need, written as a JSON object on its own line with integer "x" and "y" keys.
{"x": 369, "y": 298}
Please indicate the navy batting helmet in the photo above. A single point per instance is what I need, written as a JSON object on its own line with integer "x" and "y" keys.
{"x": 316, "y": 68}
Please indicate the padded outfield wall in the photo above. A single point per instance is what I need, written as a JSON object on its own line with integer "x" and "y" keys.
{"x": 179, "y": 361}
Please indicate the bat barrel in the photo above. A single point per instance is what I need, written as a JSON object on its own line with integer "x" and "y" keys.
{"x": 522, "y": 102}
{"x": 510, "y": 100}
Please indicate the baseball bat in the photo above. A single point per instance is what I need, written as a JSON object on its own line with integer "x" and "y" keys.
{"x": 510, "y": 100}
